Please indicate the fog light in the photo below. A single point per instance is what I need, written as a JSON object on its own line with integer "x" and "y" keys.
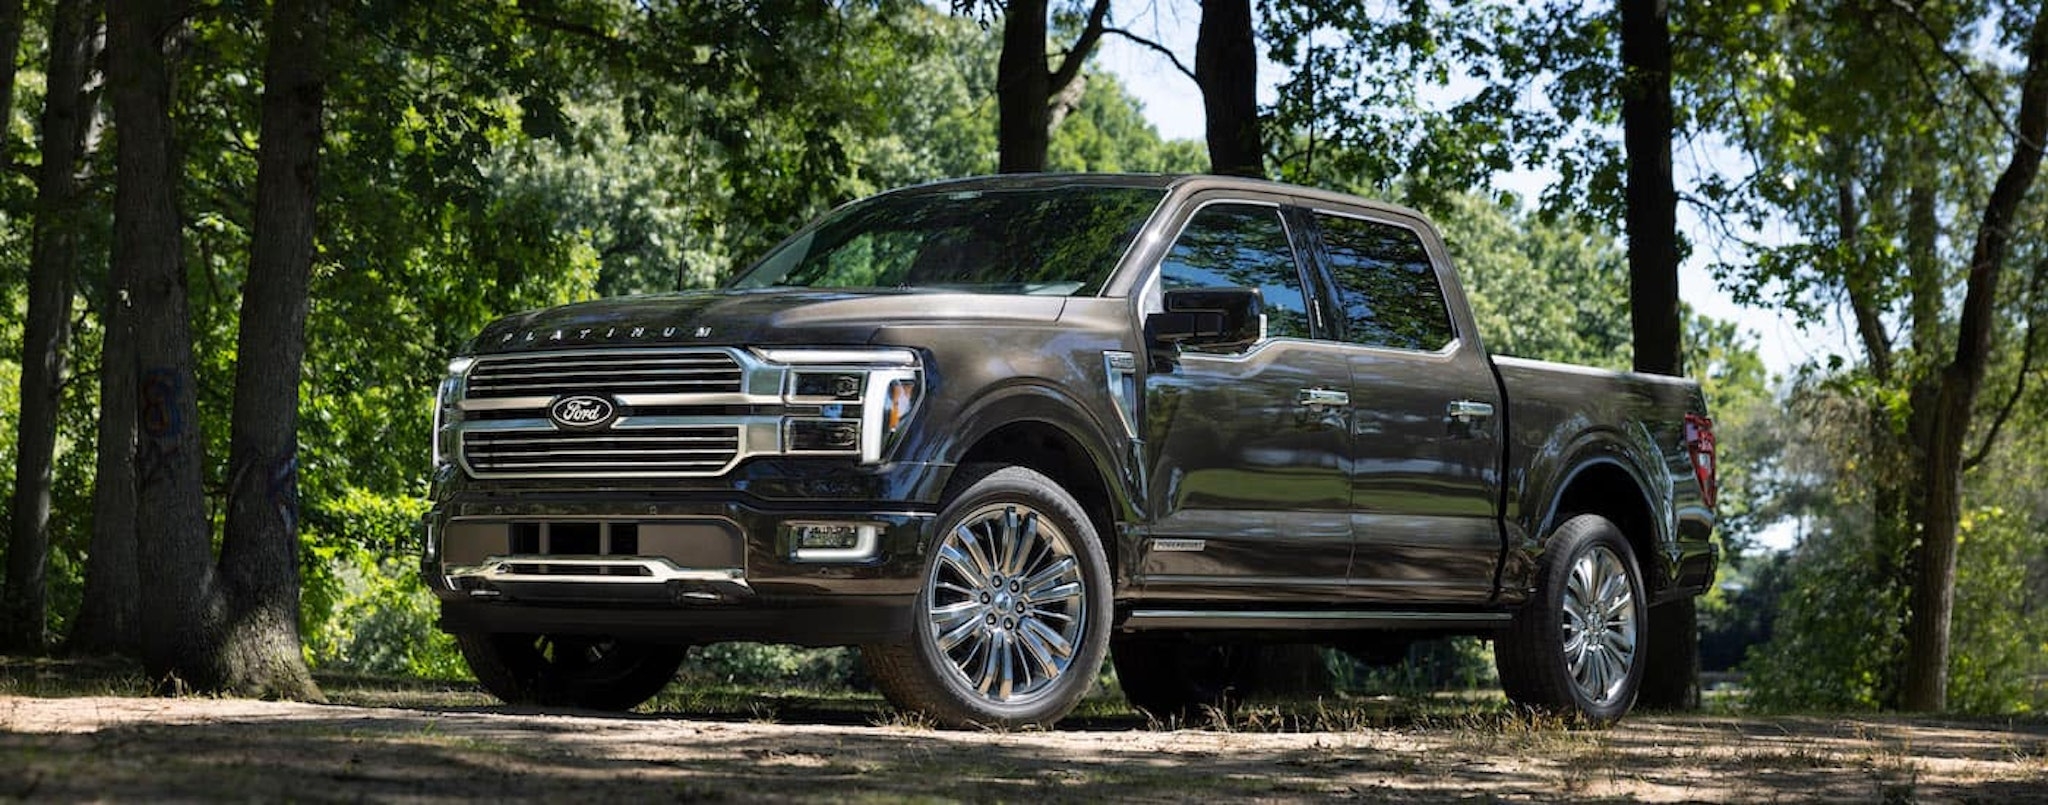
{"x": 832, "y": 542}
{"x": 824, "y": 436}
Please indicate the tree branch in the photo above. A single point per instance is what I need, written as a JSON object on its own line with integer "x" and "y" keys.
{"x": 2019, "y": 386}
{"x": 559, "y": 25}
{"x": 1154, "y": 47}
{"x": 1962, "y": 70}
{"x": 1994, "y": 232}
{"x": 1856, "y": 278}
{"x": 1070, "y": 65}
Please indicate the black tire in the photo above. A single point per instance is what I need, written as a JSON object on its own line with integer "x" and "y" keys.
{"x": 984, "y": 613}
{"x": 1671, "y": 675}
{"x": 594, "y": 673}
{"x": 1182, "y": 682}
{"x": 1543, "y": 665}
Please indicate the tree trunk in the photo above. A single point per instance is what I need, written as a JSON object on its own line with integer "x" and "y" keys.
{"x": 1652, "y": 202}
{"x": 109, "y": 618}
{"x": 1227, "y": 69}
{"x": 52, "y": 265}
{"x": 182, "y": 604}
{"x": 109, "y": 615}
{"x": 11, "y": 18}
{"x": 1023, "y": 86}
{"x": 1946, "y": 422}
{"x": 259, "y": 555}
{"x": 1026, "y": 92}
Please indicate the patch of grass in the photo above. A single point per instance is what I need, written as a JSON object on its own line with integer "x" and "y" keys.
{"x": 371, "y": 690}
{"x": 54, "y": 677}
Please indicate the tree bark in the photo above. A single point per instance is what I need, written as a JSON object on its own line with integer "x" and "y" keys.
{"x": 1227, "y": 69}
{"x": 259, "y": 555}
{"x": 53, "y": 264}
{"x": 11, "y": 19}
{"x": 1946, "y": 421}
{"x": 1022, "y": 87}
{"x": 109, "y": 615}
{"x": 1652, "y": 201}
{"x": 1026, "y": 89}
{"x": 182, "y": 604}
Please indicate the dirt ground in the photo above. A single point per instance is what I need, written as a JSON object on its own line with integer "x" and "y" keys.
{"x": 185, "y": 749}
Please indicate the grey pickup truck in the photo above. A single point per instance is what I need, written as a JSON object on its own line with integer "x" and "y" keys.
{"x": 995, "y": 431}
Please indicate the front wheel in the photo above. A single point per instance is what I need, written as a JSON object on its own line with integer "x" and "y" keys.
{"x": 595, "y": 673}
{"x": 1012, "y": 620}
{"x": 1575, "y": 646}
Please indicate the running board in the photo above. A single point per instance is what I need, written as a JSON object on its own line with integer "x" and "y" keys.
{"x": 1292, "y": 620}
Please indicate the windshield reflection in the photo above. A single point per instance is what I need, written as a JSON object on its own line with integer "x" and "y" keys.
{"x": 1044, "y": 240}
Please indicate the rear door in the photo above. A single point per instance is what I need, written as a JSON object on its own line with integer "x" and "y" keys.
{"x": 1247, "y": 450}
{"x": 1426, "y": 413}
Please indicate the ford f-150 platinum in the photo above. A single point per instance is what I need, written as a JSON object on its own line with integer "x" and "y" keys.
{"x": 995, "y": 430}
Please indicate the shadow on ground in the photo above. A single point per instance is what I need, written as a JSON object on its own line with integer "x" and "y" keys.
{"x": 433, "y": 741}
{"x": 196, "y": 748}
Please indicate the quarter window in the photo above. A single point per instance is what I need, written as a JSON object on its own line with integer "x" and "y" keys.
{"x": 1385, "y": 283}
{"x": 1243, "y": 246}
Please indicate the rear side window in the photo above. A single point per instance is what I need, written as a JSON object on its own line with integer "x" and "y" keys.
{"x": 1387, "y": 290}
{"x": 1245, "y": 246}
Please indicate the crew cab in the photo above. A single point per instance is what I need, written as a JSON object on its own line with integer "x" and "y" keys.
{"x": 994, "y": 431}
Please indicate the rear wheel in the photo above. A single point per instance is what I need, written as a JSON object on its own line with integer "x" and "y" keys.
{"x": 1182, "y": 681}
{"x": 1575, "y": 647}
{"x": 1012, "y": 620}
{"x": 596, "y": 673}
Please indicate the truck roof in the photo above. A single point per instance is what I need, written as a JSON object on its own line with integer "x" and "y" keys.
{"x": 1182, "y": 182}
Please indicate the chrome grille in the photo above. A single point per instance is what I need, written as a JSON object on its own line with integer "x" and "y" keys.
{"x": 614, "y": 373}
{"x": 667, "y": 450}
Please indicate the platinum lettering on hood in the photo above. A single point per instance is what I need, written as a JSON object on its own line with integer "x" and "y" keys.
{"x": 585, "y": 334}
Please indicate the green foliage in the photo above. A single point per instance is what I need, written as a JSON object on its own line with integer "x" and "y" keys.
{"x": 2000, "y": 639}
{"x": 378, "y": 616}
{"x": 1835, "y": 639}
{"x": 1426, "y": 667}
{"x": 1837, "y": 631}
{"x": 1424, "y": 100}
{"x": 776, "y": 667}
{"x": 363, "y": 606}
{"x": 1840, "y": 625}
{"x": 1539, "y": 289}
{"x": 1108, "y": 133}
{"x": 1740, "y": 611}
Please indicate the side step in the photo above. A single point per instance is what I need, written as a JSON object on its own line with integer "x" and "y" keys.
{"x": 1311, "y": 620}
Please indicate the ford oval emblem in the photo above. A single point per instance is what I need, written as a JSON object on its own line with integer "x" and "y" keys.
{"x": 583, "y": 412}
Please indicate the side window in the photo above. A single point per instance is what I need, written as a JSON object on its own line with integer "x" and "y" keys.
{"x": 1237, "y": 245}
{"x": 1385, "y": 284}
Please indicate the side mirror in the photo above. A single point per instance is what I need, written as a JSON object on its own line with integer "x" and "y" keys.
{"x": 1222, "y": 319}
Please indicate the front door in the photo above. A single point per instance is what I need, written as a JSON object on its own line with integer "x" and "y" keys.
{"x": 1247, "y": 451}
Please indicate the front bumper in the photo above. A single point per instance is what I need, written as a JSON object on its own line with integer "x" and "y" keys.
{"x": 669, "y": 567}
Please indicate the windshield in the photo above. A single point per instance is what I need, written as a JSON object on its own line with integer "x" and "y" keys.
{"x": 1041, "y": 240}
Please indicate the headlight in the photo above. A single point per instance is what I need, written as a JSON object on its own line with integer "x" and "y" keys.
{"x": 445, "y": 398}
{"x": 862, "y": 399}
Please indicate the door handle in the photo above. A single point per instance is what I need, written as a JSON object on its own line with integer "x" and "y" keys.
{"x": 1317, "y": 398}
{"x": 1468, "y": 411}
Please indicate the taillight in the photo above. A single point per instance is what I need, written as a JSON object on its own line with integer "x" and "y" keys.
{"x": 1699, "y": 445}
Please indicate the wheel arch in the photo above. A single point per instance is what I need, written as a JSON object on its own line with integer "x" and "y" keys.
{"x": 1607, "y": 483}
{"x": 1040, "y": 428}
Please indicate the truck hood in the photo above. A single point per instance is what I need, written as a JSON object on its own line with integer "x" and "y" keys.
{"x": 777, "y": 316}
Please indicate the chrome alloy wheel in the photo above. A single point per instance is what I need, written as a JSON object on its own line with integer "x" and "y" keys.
{"x": 1599, "y": 625}
{"x": 1006, "y": 603}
